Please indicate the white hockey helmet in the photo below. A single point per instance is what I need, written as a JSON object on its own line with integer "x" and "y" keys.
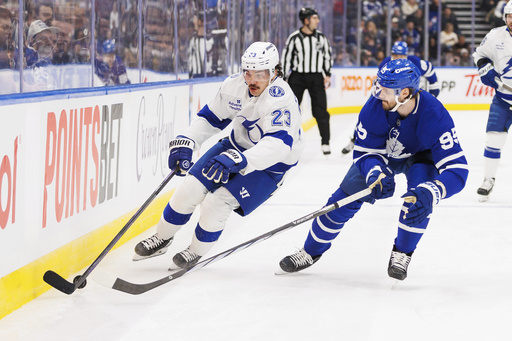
{"x": 261, "y": 56}
{"x": 507, "y": 10}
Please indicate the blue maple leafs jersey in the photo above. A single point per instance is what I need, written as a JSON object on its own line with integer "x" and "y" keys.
{"x": 384, "y": 138}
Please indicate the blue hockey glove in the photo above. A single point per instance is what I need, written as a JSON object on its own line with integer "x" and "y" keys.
{"x": 434, "y": 92}
{"x": 488, "y": 74}
{"x": 219, "y": 167}
{"x": 381, "y": 181}
{"x": 180, "y": 154}
{"x": 424, "y": 197}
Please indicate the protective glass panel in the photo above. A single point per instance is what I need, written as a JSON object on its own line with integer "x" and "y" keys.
{"x": 159, "y": 51}
{"x": 57, "y": 50}
{"x": 9, "y": 66}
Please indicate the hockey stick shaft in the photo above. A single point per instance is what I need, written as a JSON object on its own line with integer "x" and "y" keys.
{"x": 503, "y": 85}
{"x": 136, "y": 289}
{"x": 59, "y": 283}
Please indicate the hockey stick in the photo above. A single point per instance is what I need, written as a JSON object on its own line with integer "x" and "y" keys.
{"x": 503, "y": 85}
{"x": 59, "y": 283}
{"x": 136, "y": 289}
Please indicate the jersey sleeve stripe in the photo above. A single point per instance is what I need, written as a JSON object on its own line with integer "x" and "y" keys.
{"x": 449, "y": 158}
{"x": 209, "y": 116}
{"x": 283, "y": 136}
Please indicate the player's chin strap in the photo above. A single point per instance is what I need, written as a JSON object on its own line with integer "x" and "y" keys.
{"x": 398, "y": 103}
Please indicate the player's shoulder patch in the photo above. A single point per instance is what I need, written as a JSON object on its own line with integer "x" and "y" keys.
{"x": 235, "y": 75}
{"x": 276, "y": 91}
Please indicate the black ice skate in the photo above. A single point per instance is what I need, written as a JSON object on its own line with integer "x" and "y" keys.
{"x": 485, "y": 190}
{"x": 298, "y": 261}
{"x": 185, "y": 258}
{"x": 398, "y": 263}
{"x": 151, "y": 247}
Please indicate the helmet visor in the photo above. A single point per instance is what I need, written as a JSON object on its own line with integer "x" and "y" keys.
{"x": 382, "y": 93}
{"x": 256, "y": 75}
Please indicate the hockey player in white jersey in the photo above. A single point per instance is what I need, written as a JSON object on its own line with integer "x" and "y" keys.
{"x": 494, "y": 60}
{"x": 401, "y": 129}
{"x": 239, "y": 172}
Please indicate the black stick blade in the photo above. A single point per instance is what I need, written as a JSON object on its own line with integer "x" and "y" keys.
{"x": 137, "y": 289}
{"x": 59, "y": 283}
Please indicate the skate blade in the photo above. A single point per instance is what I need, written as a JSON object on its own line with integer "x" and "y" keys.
{"x": 483, "y": 198}
{"x": 281, "y": 272}
{"x": 137, "y": 257}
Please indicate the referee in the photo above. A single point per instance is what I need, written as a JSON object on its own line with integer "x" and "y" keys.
{"x": 307, "y": 55}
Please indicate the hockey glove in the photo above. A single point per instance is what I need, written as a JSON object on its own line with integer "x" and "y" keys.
{"x": 219, "y": 167}
{"x": 488, "y": 74}
{"x": 180, "y": 154}
{"x": 381, "y": 181}
{"x": 434, "y": 92}
{"x": 423, "y": 198}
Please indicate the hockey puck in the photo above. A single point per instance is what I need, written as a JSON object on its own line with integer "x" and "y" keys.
{"x": 84, "y": 283}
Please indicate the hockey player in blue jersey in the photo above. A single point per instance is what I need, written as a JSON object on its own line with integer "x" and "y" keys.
{"x": 401, "y": 129}
{"x": 239, "y": 172}
{"x": 428, "y": 79}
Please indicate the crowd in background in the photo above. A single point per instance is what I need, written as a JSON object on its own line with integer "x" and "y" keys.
{"x": 183, "y": 39}
{"x": 407, "y": 23}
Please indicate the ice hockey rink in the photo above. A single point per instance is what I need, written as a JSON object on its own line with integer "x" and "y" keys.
{"x": 458, "y": 288}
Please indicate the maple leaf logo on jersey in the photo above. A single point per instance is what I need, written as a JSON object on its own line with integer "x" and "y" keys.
{"x": 394, "y": 148}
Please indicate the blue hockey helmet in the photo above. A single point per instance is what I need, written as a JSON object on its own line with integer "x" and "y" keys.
{"x": 108, "y": 46}
{"x": 399, "y": 74}
{"x": 400, "y": 47}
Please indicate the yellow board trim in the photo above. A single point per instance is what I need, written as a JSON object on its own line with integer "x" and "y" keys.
{"x": 26, "y": 283}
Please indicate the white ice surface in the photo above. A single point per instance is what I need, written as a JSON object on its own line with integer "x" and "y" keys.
{"x": 459, "y": 284}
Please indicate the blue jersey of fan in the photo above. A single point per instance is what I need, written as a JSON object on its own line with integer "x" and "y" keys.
{"x": 384, "y": 138}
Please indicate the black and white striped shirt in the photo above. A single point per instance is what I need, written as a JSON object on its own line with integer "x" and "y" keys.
{"x": 307, "y": 53}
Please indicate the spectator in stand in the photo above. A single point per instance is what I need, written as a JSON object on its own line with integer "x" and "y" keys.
{"x": 465, "y": 58}
{"x": 461, "y": 44}
{"x": 38, "y": 56}
{"x": 109, "y": 67}
{"x": 62, "y": 54}
{"x": 448, "y": 37}
{"x": 412, "y": 37}
{"x": 433, "y": 20}
{"x": 449, "y": 17}
{"x": 487, "y": 5}
{"x": 418, "y": 20}
{"x": 496, "y": 16}
{"x": 44, "y": 12}
{"x": 367, "y": 58}
{"x": 409, "y": 7}
{"x": 6, "y": 42}
{"x": 396, "y": 30}
{"x": 373, "y": 10}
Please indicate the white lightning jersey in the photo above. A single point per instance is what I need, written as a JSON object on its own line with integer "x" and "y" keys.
{"x": 497, "y": 46}
{"x": 267, "y": 128}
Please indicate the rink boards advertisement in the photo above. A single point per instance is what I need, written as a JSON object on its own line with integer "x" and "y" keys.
{"x": 73, "y": 166}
